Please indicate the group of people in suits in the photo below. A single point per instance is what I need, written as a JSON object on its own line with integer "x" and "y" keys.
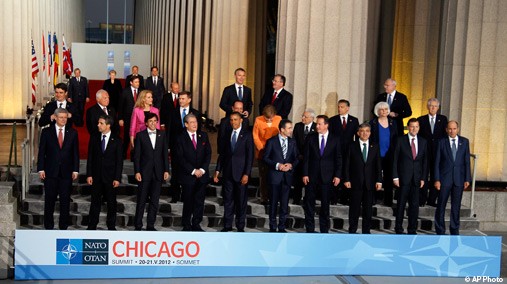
{"x": 335, "y": 159}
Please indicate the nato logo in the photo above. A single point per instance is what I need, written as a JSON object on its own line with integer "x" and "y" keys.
{"x": 82, "y": 251}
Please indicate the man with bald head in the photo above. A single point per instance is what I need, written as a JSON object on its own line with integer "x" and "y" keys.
{"x": 398, "y": 104}
{"x": 169, "y": 105}
{"x": 101, "y": 108}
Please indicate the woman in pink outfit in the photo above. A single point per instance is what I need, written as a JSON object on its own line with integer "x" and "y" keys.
{"x": 143, "y": 105}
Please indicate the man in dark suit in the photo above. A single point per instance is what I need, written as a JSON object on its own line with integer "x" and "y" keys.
{"x": 235, "y": 92}
{"x": 58, "y": 165}
{"x": 135, "y": 73}
{"x": 235, "y": 163}
{"x": 79, "y": 93}
{"x": 278, "y": 97}
{"x": 103, "y": 171}
{"x": 48, "y": 116}
{"x": 301, "y": 131}
{"x": 101, "y": 108}
{"x": 193, "y": 153}
{"x": 344, "y": 126}
{"x": 169, "y": 105}
{"x": 225, "y": 124}
{"x": 432, "y": 128}
{"x": 363, "y": 174}
{"x": 410, "y": 169}
{"x": 452, "y": 176}
{"x": 178, "y": 127}
{"x": 398, "y": 104}
{"x": 155, "y": 84}
{"x": 281, "y": 157}
{"x": 151, "y": 167}
{"x": 127, "y": 101}
{"x": 321, "y": 171}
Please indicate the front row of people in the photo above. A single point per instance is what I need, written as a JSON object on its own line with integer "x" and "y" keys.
{"x": 322, "y": 164}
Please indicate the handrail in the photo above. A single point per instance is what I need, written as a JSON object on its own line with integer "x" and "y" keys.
{"x": 25, "y": 170}
{"x": 475, "y": 157}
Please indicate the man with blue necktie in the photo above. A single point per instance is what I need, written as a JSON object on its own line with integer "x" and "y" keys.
{"x": 452, "y": 176}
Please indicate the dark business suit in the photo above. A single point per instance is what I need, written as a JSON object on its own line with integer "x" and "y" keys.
{"x": 104, "y": 167}
{"x": 125, "y": 113}
{"x": 78, "y": 92}
{"x": 410, "y": 173}
{"x": 363, "y": 175}
{"x": 141, "y": 81}
{"x": 230, "y": 95}
{"x": 234, "y": 164}
{"x": 151, "y": 163}
{"x": 158, "y": 90}
{"x": 320, "y": 170}
{"x": 400, "y": 106}
{"x": 167, "y": 109}
{"x": 279, "y": 181}
{"x": 225, "y": 127}
{"x": 300, "y": 138}
{"x": 58, "y": 165}
{"x": 347, "y": 135}
{"x": 49, "y": 109}
{"x": 92, "y": 119}
{"x": 114, "y": 90}
{"x": 452, "y": 174}
{"x": 193, "y": 188}
{"x": 282, "y": 104}
{"x": 175, "y": 130}
{"x": 386, "y": 159}
{"x": 429, "y": 194}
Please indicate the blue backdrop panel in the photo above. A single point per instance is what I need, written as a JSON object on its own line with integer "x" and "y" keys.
{"x": 104, "y": 254}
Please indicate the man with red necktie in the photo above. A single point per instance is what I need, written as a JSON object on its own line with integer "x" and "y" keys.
{"x": 278, "y": 96}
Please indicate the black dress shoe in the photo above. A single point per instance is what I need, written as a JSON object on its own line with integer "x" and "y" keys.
{"x": 241, "y": 230}
{"x": 310, "y": 231}
{"x": 151, "y": 229}
{"x": 91, "y": 228}
{"x": 282, "y": 231}
{"x": 187, "y": 229}
{"x": 197, "y": 229}
{"x": 272, "y": 230}
{"x": 324, "y": 232}
{"x": 137, "y": 229}
{"x": 174, "y": 200}
{"x": 226, "y": 230}
{"x": 264, "y": 203}
{"x": 296, "y": 202}
{"x": 111, "y": 229}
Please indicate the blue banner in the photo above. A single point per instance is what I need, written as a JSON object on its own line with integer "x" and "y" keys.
{"x": 105, "y": 254}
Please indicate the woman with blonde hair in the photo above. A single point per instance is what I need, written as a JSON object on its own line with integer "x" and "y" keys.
{"x": 144, "y": 105}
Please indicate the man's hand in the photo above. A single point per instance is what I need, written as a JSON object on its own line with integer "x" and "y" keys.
{"x": 116, "y": 183}
{"x": 69, "y": 100}
{"x": 138, "y": 177}
{"x": 87, "y": 99}
{"x": 120, "y": 122}
{"x": 215, "y": 177}
{"x": 74, "y": 175}
{"x": 89, "y": 180}
{"x": 244, "y": 179}
{"x": 467, "y": 184}
{"x": 347, "y": 184}
{"x": 393, "y": 114}
{"x": 336, "y": 181}
{"x": 437, "y": 185}
{"x": 246, "y": 114}
{"x": 198, "y": 173}
{"x": 306, "y": 180}
{"x": 422, "y": 183}
{"x": 42, "y": 175}
{"x": 396, "y": 182}
{"x": 166, "y": 175}
{"x": 378, "y": 186}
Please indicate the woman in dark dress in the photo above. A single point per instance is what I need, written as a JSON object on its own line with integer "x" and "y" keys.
{"x": 114, "y": 88}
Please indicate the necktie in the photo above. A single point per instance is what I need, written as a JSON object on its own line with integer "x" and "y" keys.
{"x": 78, "y": 79}
{"x": 273, "y": 98}
{"x": 233, "y": 140}
{"x": 183, "y": 114}
{"x": 414, "y": 152}
{"x": 193, "y": 141}
{"x": 105, "y": 110}
{"x": 454, "y": 149}
{"x": 60, "y": 105}
{"x": 365, "y": 154}
{"x": 155, "y": 81}
{"x": 60, "y": 138}
{"x": 322, "y": 145}
{"x": 175, "y": 101}
{"x": 135, "y": 95}
{"x": 240, "y": 93}
{"x": 307, "y": 129}
{"x": 153, "y": 140}
{"x": 432, "y": 124}
{"x": 344, "y": 123}
{"x": 103, "y": 144}
{"x": 389, "y": 100}
{"x": 284, "y": 148}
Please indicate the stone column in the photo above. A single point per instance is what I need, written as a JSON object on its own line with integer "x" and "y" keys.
{"x": 472, "y": 78}
{"x": 9, "y": 220}
{"x": 325, "y": 49}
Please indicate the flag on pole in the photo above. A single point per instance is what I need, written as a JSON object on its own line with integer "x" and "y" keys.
{"x": 56, "y": 60}
{"x": 43, "y": 53}
{"x": 35, "y": 71}
{"x": 67, "y": 63}
{"x": 50, "y": 58}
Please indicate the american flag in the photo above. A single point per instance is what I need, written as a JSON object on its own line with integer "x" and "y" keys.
{"x": 35, "y": 71}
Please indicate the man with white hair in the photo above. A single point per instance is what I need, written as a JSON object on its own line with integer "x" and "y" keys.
{"x": 398, "y": 104}
{"x": 99, "y": 109}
